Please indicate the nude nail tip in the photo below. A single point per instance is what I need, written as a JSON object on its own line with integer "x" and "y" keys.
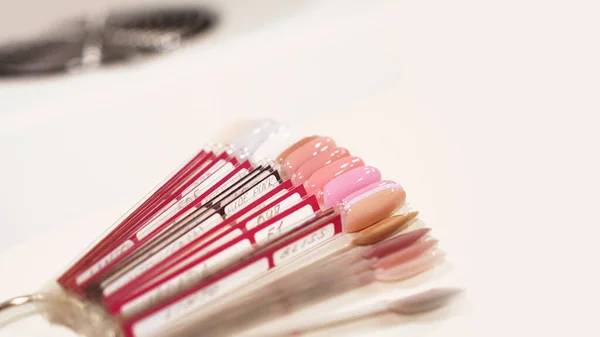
{"x": 412, "y": 268}
{"x": 396, "y": 243}
{"x": 294, "y": 147}
{"x": 384, "y": 228}
{"x": 369, "y": 190}
{"x": 371, "y": 204}
{"x": 349, "y": 182}
{"x": 314, "y": 147}
{"x": 426, "y": 301}
{"x": 314, "y": 164}
{"x": 407, "y": 254}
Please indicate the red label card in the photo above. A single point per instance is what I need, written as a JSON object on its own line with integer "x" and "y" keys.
{"x": 202, "y": 293}
{"x": 168, "y": 278}
{"x": 202, "y": 158}
{"x": 150, "y": 230}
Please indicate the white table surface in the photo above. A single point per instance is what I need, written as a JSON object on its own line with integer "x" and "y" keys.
{"x": 483, "y": 112}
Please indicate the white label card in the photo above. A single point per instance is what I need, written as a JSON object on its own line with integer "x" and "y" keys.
{"x": 152, "y": 325}
{"x": 261, "y": 206}
{"x": 274, "y": 211}
{"x": 186, "y": 200}
{"x": 203, "y": 177}
{"x": 95, "y": 268}
{"x": 162, "y": 254}
{"x": 236, "y": 177}
{"x": 181, "y": 281}
{"x": 303, "y": 244}
{"x": 286, "y": 224}
{"x": 256, "y": 192}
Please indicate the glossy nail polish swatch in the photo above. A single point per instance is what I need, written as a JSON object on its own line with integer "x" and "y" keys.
{"x": 396, "y": 243}
{"x": 304, "y": 153}
{"x": 384, "y": 228}
{"x": 313, "y": 165}
{"x": 410, "y": 268}
{"x": 371, "y": 204}
{"x": 345, "y": 184}
{"x": 251, "y": 139}
{"x": 293, "y": 148}
{"x": 325, "y": 174}
{"x": 406, "y": 254}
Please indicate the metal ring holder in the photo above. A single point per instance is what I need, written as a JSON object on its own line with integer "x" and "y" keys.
{"x": 78, "y": 45}
{"x": 60, "y": 308}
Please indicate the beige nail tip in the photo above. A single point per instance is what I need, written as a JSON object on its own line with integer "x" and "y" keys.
{"x": 384, "y": 228}
{"x": 372, "y": 209}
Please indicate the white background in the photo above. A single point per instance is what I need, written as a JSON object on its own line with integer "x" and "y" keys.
{"x": 486, "y": 112}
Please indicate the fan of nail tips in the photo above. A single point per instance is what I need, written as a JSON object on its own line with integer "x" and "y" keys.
{"x": 250, "y": 228}
{"x": 120, "y": 36}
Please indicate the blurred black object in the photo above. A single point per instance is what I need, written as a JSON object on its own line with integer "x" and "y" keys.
{"x": 38, "y": 57}
{"x": 120, "y": 36}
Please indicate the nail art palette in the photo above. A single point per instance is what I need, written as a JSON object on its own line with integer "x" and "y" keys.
{"x": 253, "y": 227}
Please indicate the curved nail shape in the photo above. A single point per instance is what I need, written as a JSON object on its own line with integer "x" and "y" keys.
{"x": 395, "y": 244}
{"x": 384, "y": 228}
{"x": 405, "y": 255}
{"x": 248, "y": 141}
{"x": 325, "y": 174}
{"x": 231, "y": 131}
{"x": 371, "y": 204}
{"x": 277, "y": 142}
{"x": 293, "y": 148}
{"x": 425, "y": 301}
{"x": 314, "y": 164}
{"x": 345, "y": 184}
{"x": 294, "y": 160}
{"x": 410, "y": 268}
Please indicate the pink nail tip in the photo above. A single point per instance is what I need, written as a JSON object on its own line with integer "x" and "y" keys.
{"x": 396, "y": 243}
{"x": 314, "y": 164}
{"x": 412, "y": 268}
{"x": 349, "y": 182}
{"x": 405, "y": 255}
{"x": 327, "y": 173}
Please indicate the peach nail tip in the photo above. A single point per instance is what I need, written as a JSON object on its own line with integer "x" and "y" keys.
{"x": 384, "y": 228}
{"x": 372, "y": 204}
{"x": 294, "y": 147}
{"x": 374, "y": 188}
{"x": 305, "y": 152}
